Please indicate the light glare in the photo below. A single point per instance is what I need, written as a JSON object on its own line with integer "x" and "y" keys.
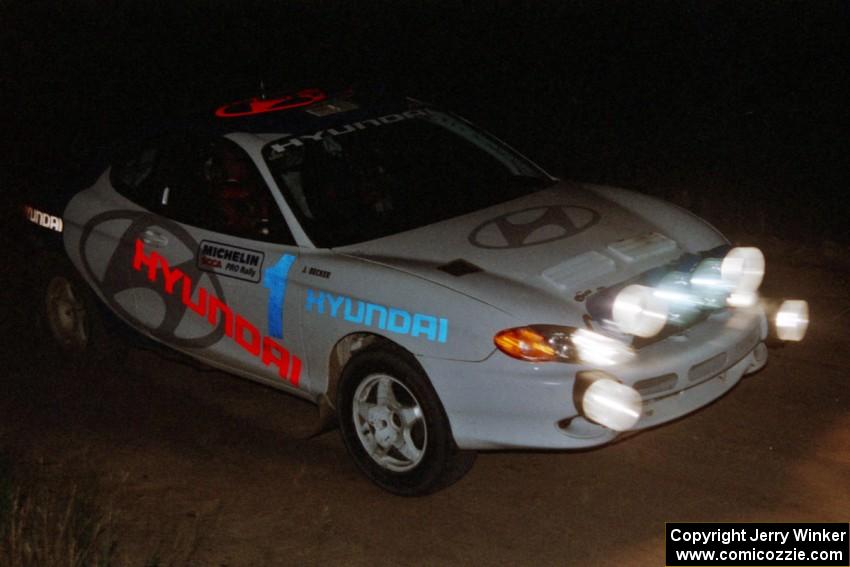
{"x": 612, "y": 404}
{"x": 594, "y": 348}
{"x": 638, "y": 311}
{"x": 742, "y": 299}
{"x": 743, "y": 269}
{"x": 792, "y": 320}
{"x": 708, "y": 282}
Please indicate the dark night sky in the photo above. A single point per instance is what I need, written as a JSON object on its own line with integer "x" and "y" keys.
{"x": 732, "y": 101}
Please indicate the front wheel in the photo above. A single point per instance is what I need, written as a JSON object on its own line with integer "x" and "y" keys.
{"x": 394, "y": 426}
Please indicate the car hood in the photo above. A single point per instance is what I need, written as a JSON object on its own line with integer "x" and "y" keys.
{"x": 547, "y": 250}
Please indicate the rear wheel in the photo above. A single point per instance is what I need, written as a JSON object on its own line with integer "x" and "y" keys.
{"x": 394, "y": 426}
{"x": 67, "y": 316}
{"x": 71, "y": 318}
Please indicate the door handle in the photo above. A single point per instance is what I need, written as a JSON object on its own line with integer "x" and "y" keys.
{"x": 153, "y": 238}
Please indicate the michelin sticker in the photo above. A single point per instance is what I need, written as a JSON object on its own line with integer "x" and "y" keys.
{"x": 231, "y": 261}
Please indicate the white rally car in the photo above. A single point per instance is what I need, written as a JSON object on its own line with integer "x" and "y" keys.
{"x": 413, "y": 276}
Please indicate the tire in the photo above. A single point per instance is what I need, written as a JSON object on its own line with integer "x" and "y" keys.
{"x": 395, "y": 427}
{"x": 72, "y": 320}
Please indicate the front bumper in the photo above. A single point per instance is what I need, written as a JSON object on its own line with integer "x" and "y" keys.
{"x": 506, "y": 403}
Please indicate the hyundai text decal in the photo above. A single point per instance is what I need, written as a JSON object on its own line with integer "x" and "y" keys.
{"x": 231, "y": 261}
{"x": 386, "y": 318}
{"x": 117, "y": 277}
{"x": 533, "y": 226}
{"x": 215, "y": 310}
{"x": 279, "y": 147}
{"x": 180, "y": 290}
{"x": 43, "y": 219}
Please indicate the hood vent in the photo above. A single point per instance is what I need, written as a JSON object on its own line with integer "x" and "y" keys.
{"x": 580, "y": 269}
{"x": 643, "y": 247}
{"x": 459, "y": 267}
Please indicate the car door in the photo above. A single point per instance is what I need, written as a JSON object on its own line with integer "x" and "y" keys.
{"x": 198, "y": 256}
{"x": 217, "y": 256}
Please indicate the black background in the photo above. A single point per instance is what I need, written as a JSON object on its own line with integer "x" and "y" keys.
{"x": 738, "y": 110}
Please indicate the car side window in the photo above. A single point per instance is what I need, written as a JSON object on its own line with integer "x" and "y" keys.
{"x": 208, "y": 183}
{"x": 132, "y": 175}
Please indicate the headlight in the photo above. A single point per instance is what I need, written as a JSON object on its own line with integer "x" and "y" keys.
{"x": 599, "y": 397}
{"x": 552, "y": 343}
{"x": 594, "y": 348}
{"x": 638, "y": 311}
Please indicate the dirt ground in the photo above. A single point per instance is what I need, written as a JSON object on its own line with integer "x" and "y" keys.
{"x": 211, "y": 470}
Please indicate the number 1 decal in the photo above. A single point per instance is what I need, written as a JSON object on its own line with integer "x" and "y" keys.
{"x": 275, "y": 280}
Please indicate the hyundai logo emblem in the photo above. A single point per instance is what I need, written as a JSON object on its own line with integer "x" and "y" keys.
{"x": 533, "y": 226}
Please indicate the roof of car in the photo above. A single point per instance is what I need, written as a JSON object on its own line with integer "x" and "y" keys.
{"x": 301, "y": 111}
{"x": 298, "y": 111}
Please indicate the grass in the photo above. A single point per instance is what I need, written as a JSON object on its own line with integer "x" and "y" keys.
{"x": 52, "y": 522}
{"x": 48, "y": 519}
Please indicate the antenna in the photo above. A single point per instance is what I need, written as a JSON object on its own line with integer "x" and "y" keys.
{"x": 262, "y": 90}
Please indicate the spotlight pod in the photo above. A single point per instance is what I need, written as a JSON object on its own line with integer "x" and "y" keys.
{"x": 792, "y": 320}
{"x": 743, "y": 269}
{"x": 638, "y": 311}
{"x": 602, "y": 399}
{"x": 707, "y": 282}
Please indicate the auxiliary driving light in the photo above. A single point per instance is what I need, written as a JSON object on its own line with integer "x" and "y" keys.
{"x": 792, "y": 320}
{"x": 683, "y": 304}
{"x": 602, "y": 399}
{"x": 743, "y": 269}
{"x": 637, "y": 311}
{"x": 707, "y": 283}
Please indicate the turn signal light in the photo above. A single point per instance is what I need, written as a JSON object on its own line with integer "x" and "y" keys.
{"x": 525, "y": 344}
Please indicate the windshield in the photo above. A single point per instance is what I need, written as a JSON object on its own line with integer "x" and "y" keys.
{"x": 379, "y": 177}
